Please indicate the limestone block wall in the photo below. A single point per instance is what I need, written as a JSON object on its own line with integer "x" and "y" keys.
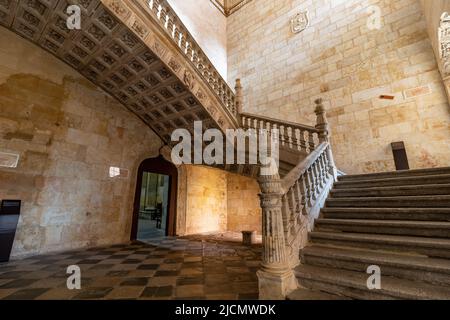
{"x": 218, "y": 201}
{"x": 244, "y": 209}
{"x": 68, "y": 134}
{"x": 206, "y": 206}
{"x": 340, "y": 59}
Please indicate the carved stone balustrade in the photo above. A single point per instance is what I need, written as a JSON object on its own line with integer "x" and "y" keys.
{"x": 291, "y": 205}
{"x": 292, "y": 135}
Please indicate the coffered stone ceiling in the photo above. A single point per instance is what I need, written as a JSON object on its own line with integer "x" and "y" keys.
{"x": 112, "y": 56}
{"x": 228, "y": 7}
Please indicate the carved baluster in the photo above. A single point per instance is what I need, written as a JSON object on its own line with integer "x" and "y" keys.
{"x": 282, "y": 130}
{"x": 292, "y": 204}
{"x": 309, "y": 188}
{"x": 273, "y": 127}
{"x": 181, "y": 42}
{"x": 311, "y": 143}
{"x": 291, "y": 136}
{"x": 312, "y": 173}
{"x": 304, "y": 192}
{"x": 239, "y": 96}
{"x": 224, "y": 93}
{"x": 312, "y": 183}
{"x": 159, "y": 12}
{"x": 303, "y": 144}
{"x": 187, "y": 50}
{"x": 320, "y": 184}
{"x": 326, "y": 173}
{"x": 323, "y": 170}
{"x": 194, "y": 55}
{"x": 298, "y": 199}
{"x": 300, "y": 204}
{"x": 166, "y": 20}
{"x": 174, "y": 32}
{"x": 295, "y": 139}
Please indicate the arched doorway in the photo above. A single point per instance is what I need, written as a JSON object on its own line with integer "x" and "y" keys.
{"x": 155, "y": 201}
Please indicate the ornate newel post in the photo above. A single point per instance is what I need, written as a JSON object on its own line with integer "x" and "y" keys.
{"x": 239, "y": 99}
{"x": 324, "y": 134}
{"x": 276, "y": 279}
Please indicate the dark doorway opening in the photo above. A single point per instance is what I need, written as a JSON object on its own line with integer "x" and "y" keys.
{"x": 154, "y": 213}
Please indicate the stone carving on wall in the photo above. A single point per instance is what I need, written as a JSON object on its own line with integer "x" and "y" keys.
{"x": 140, "y": 28}
{"x": 444, "y": 42}
{"x": 159, "y": 49}
{"x": 189, "y": 80}
{"x": 300, "y": 22}
{"x": 200, "y": 95}
{"x": 173, "y": 63}
{"x": 118, "y": 8}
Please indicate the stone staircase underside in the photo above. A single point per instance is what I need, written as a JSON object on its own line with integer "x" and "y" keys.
{"x": 141, "y": 54}
{"x": 122, "y": 50}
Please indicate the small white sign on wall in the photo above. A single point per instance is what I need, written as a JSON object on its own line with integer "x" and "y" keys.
{"x": 9, "y": 160}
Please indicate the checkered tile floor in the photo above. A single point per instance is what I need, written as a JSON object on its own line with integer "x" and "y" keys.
{"x": 169, "y": 268}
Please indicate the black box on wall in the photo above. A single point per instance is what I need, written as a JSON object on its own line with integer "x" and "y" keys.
{"x": 9, "y": 217}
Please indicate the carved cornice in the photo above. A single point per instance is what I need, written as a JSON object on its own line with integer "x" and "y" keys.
{"x": 228, "y": 7}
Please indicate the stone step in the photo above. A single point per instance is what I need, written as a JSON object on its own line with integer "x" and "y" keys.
{"x": 395, "y": 174}
{"x": 434, "y": 271}
{"x": 433, "y": 229}
{"x": 414, "y": 190}
{"x": 394, "y": 181}
{"x": 306, "y": 294}
{"x": 432, "y": 247}
{"x": 441, "y": 201}
{"x": 354, "y": 285}
{"x": 415, "y": 214}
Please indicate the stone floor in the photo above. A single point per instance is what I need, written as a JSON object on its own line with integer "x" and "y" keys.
{"x": 199, "y": 267}
{"x": 147, "y": 230}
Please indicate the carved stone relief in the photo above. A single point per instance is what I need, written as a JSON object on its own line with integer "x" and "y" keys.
{"x": 300, "y": 22}
{"x": 189, "y": 80}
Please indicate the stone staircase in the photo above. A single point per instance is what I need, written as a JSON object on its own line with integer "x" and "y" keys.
{"x": 399, "y": 221}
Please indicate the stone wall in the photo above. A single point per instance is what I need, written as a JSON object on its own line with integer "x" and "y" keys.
{"x": 341, "y": 60}
{"x": 218, "y": 201}
{"x": 208, "y": 26}
{"x": 206, "y": 207}
{"x": 244, "y": 210}
{"x": 68, "y": 134}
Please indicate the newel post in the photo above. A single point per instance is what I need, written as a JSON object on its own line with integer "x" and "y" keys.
{"x": 275, "y": 278}
{"x": 322, "y": 121}
{"x": 324, "y": 134}
{"x": 239, "y": 98}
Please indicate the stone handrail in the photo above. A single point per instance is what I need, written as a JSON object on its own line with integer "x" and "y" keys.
{"x": 293, "y": 135}
{"x": 163, "y": 13}
{"x": 305, "y": 190}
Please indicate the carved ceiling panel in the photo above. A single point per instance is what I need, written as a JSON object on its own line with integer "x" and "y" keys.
{"x": 106, "y": 52}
